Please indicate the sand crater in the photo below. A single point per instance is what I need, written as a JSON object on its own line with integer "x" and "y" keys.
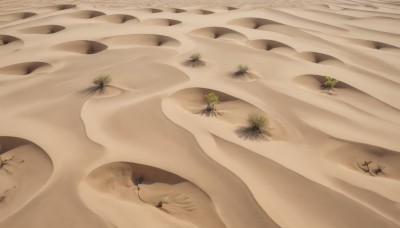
{"x": 26, "y": 68}
{"x": 353, "y": 155}
{"x": 142, "y": 40}
{"x": 219, "y": 33}
{"x": 7, "y": 40}
{"x": 176, "y": 10}
{"x": 374, "y": 45}
{"x": 230, "y": 109}
{"x": 44, "y": 29}
{"x": 151, "y": 10}
{"x": 164, "y": 191}
{"x": 253, "y": 22}
{"x": 16, "y": 16}
{"x": 162, "y": 22}
{"x": 86, "y": 14}
{"x": 24, "y": 169}
{"x": 86, "y": 47}
{"x": 202, "y": 11}
{"x": 314, "y": 82}
{"x": 320, "y": 58}
{"x": 60, "y": 7}
{"x": 119, "y": 18}
{"x": 271, "y": 45}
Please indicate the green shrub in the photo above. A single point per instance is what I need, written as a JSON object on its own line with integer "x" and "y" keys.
{"x": 194, "y": 60}
{"x": 101, "y": 82}
{"x": 329, "y": 83}
{"x": 257, "y": 122}
{"x": 256, "y": 129}
{"x": 242, "y": 70}
{"x": 211, "y": 99}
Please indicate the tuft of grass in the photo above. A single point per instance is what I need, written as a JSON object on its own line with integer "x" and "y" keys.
{"x": 241, "y": 70}
{"x": 101, "y": 82}
{"x": 256, "y": 129}
{"x": 329, "y": 83}
{"x": 195, "y": 60}
{"x": 211, "y": 99}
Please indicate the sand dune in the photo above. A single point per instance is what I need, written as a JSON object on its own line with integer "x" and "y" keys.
{"x": 44, "y": 29}
{"x": 147, "y": 149}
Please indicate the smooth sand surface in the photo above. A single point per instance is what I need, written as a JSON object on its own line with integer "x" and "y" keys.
{"x": 145, "y": 153}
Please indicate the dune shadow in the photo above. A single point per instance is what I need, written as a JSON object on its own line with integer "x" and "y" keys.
{"x": 194, "y": 64}
{"x": 209, "y": 112}
{"x": 248, "y": 133}
{"x": 91, "y": 90}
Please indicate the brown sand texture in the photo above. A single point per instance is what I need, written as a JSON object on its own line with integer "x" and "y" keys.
{"x": 144, "y": 150}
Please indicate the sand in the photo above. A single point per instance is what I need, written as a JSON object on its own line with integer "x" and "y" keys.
{"x": 145, "y": 151}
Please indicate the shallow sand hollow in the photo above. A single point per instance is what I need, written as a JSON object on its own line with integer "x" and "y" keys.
{"x": 147, "y": 152}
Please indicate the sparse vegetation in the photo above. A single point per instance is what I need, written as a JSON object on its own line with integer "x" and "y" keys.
{"x": 257, "y": 128}
{"x": 365, "y": 166}
{"x": 329, "y": 83}
{"x": 161, "y": 203}
{"x": 101, "y": 82}
{"x": 378, "y": 170}
{"x": 3, "y": 196}
{"x": 372, "y": 171}
{"x": 195, "y": 60}
{"x": 241, "y": 70}
{"x": 139, "y": 180}
{"x": 5, "y": 161}
{"x": 212, "y": 99}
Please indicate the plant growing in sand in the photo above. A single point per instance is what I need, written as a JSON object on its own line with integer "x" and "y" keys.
{"x": 378, "y": 170}
{"x": 101, "y": 82}
{"x": 5, "y": 161}
{"x": 241, "y": 70}
{"x": 372, "y": 171}
{"x": 194, "y": 60}
{"x": 161, "y": 203}
{"x": 329, "y": 83}
{"x": 139, "y": 180}
{"x": 3, "y": 196}
{"x": 365, "y": 166}
{"x": 212, "y": 99}
{"x": 256, "y": 129}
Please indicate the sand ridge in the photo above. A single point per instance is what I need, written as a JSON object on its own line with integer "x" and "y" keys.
{"x": 143, "y": 152}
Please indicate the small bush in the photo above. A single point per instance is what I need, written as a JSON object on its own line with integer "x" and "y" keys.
{"x": 329, "y": 83}
{"x": 242, "y": 70}
{"x": 101, "y": 82}
{"x": 194, "y": 60}
{"x": 212, "y": 99}
{"x": 257, "y": 128}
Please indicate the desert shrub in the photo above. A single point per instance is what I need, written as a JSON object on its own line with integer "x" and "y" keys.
{"x": 372, "y": 171}
{"x": 195, "y": 60}
{"x": 101, "y": 82}
{"x": 242, "y": 70}
{"x": 329, "y": 83}
{"x": 211, "y": 99}
{"x": 256, "y": 129}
